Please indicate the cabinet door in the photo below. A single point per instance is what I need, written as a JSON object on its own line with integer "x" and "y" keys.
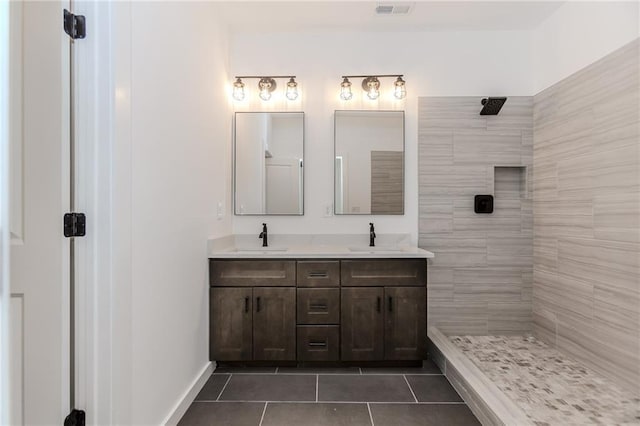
{"x": 274, "y": 324}
{"x": 362, "y": 324}
{"x": 230, "y": 324}
{"x": 405, "y": 323}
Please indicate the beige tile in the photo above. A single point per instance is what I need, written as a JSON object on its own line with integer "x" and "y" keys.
{"x": 510, "y": 318}
{"x": 617, "y": 217}
{"x": 458, "y": 150}
{"x": 544, "y": 325}
{"x": 486, "y": 147}
{"x": 506, "y": 217}
{"x": 453, "y": 318}
{"x": 436, "y": 217}
{"x": 452, "y": 180}
{"x": 512, "y": 250}
{"x": 435, "y": 148}
{"x": 457, "y": 251}
{"x": 488, "y": 284}
{"x": 600, "y": 262}
{"x": 586, "y": 185}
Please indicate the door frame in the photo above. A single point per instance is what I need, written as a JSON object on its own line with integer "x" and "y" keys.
{"x": 4, "y": 212}
{"x": 103, "y": 193}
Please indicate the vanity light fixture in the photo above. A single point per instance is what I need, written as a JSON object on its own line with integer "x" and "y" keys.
{"x": 345, "y": 89}
{"x": 400, "y": 90}
{"x": 266, "y": 85}
{"x": 371, "y": 86}
{"x": 292, "y": 89}
{"x": 238, "y": 90}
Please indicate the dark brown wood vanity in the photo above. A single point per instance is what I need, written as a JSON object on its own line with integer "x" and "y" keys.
{"x": 327, "y": 310}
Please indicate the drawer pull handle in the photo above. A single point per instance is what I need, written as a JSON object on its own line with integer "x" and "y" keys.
{"x": 318, "y": 307}
{"x": 258, "y": 304}
{"x": 390, "y": 304}
{"x": 318, "y": 344}
{"x": 314, "y": 274}
{"x": 246, "y": 304}
{"x": 379, "y": 303}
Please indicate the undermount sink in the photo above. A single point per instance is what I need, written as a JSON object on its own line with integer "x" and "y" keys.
{"x": 259, "y": 249}
{"x": 365, "y": 249}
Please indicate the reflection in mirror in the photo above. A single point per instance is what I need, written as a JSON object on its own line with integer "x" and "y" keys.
{"x": 269, "y": 154}
{"x": 369, "y": 162}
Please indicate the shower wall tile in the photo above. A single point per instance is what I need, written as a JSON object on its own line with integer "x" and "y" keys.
{"x": 481, "y": 278}
{"x": 586, "y": 205}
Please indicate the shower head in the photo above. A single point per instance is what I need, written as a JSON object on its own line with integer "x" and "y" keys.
{"x": 492, "y": 106}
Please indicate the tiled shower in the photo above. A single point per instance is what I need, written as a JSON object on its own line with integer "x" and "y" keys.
{"x": 557, "y": 264}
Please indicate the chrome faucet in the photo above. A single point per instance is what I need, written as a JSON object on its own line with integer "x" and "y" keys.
{"x": 263, "y": 235}
{"x": 372, "y": 235}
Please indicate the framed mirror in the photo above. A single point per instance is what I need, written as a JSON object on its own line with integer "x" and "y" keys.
{"x": 369, "y": 162}
{"x": 269, "y": 163}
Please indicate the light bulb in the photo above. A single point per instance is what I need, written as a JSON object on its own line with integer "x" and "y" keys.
{"x": 345, "y": 90}
{"x": 292, "y": 90}
{"x": 374, "y": 86}
{"x": 265, "y": 94}
{"x": 266, "y": 86}
{"x": 400, "y": 91}
{"x": 238, "y": 90}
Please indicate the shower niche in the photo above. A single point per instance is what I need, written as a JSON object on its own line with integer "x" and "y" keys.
{"x": 510, "y": 182}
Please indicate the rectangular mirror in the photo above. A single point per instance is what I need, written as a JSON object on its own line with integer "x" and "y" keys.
{"x": 369, "y": 162}
{"x": 268, "y": 163}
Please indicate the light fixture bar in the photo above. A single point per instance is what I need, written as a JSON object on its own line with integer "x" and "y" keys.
{"x": 265, "y": 76}
{"x": 373, "y": 75}
{"x": 266, "y": 85}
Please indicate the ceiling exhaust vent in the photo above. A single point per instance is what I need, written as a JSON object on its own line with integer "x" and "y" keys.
{"x": 394, "y": 8}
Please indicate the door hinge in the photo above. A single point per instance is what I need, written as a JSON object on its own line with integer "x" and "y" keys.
{"x": 75, "y": 225}
{"x": 74, "y": 25}
{"x": 75, "y": 418}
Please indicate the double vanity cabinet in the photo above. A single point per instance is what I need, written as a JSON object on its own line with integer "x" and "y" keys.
{"x": 318, "y": 310}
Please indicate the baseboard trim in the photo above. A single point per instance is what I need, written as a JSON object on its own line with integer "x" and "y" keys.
{"x": 191, "y": 393}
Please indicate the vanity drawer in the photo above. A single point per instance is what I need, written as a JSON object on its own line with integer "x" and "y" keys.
{"x": 395, "y": 272}
{"x": 252, "y": 273}
{"x": 318, "y": 343}
{"x": 318, "y": 305}
{"x": 319, "y": 273}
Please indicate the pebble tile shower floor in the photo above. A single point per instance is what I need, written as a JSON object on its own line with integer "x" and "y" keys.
{"x": 328, "y": 397}
{"x": 550, "y": 387}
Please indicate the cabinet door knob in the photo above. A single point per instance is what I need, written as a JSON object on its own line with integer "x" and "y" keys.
{"x": 379, "y": 303}
{"x": 246, "y": 304}
{"x": 258, "y": 304}
{"x": 390, "y": 304}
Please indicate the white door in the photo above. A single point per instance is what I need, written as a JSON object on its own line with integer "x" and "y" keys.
{"x": 283, "y": 185}
{"x": 39, "y": 168}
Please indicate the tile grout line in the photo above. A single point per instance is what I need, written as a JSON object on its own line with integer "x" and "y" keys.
{"x": 407, "y": 381}
{"x": 317, "y": 380}
{"x": 224, "y": 387}
{"x": 370, "y": 415}
{"x": 264, "y": 410}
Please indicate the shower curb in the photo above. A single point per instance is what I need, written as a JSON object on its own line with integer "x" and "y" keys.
{"x": 489, "y": 404}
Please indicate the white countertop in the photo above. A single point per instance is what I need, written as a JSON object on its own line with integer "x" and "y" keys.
{"x": 341, "y": 246}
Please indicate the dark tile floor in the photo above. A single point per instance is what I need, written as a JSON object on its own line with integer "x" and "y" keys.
{"x": 328, "y": 396}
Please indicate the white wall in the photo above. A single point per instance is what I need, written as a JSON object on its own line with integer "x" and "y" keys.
{"x": 180, "y": 168}
{"x": 434, "y": 64}
{"x": 578, "y": 34}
